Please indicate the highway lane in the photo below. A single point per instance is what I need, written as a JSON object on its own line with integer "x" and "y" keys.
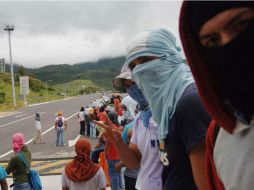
{"x": 23, "y": 121}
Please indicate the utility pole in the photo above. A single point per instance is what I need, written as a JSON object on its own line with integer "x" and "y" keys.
{"x": 9, "y": 29}
{"x": 47, "y": 89}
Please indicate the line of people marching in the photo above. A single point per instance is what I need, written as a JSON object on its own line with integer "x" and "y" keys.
{"x": 194, "y": 128}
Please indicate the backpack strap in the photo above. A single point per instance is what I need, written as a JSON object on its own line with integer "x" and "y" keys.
{"x": 23, "y": 160}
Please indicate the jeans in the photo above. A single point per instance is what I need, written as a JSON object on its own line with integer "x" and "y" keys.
{"x": 92, "y": 130}
{"x": 115, "y": 177}
{"x": 82, "y": 128}
{"x": 23, "y": 186}
{"x": 60, "y": 136}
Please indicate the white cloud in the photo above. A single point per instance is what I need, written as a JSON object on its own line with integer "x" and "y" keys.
{"x": 71, "y": 32}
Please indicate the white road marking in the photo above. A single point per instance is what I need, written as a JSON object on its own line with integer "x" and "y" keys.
{"x": 20, "y": 115}
{"x": 7, "y": 114}
{"x": 7, "y": 153}
{"x": 19, "y": 120}
{"x": 72, "y": 142}
{"x": 31, "y": 105}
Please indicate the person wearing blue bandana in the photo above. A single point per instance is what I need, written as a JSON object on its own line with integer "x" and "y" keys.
{"x": 143, "y": 149}
{"x": 166, "y": 81}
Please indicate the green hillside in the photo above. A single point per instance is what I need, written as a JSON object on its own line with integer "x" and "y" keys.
{"x": 37, "y": 92}
{"x": 101, "y": 72}
{"x": 77, "y": 87}
{"x": 62, "y": 80}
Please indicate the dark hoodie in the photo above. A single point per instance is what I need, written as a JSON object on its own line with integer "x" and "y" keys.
{"x": 222, "y": 99}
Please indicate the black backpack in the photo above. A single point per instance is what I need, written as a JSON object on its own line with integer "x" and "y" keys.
{"x": 60, "y": 122}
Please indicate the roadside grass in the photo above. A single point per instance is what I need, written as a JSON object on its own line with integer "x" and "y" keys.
{"x": 77, "y": 87}
{"x": 38, "y": 92}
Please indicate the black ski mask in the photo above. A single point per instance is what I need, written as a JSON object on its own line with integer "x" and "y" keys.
{"x": 232, "y": 63}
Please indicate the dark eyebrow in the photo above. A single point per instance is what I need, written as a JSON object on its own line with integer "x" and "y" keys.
{"x": 207, "y": 36}
{"x": 236, "y": 17}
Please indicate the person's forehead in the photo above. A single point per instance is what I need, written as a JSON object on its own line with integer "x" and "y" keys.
{"x": 220, "y": 20}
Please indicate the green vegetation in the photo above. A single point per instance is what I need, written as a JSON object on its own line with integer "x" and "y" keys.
{"x": 38, "y": 92}
{"x": 63, "y": 80}
{"x": 101, "y": 72}
{"x": 76, "y": 87}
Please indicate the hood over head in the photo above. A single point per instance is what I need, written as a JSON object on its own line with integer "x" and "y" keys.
{"x": 210, "y": 70}
{"x": 130, "y": 104}
{"x": 163, "y": 79}
{"x": 18, "y": 141}
{"x": 81, "y": 168}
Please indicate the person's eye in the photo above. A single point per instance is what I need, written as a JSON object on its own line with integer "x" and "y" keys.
{"x": 132, "y": 66}
{"x": 145, "y": 59}
{"x": 211, "y": 41}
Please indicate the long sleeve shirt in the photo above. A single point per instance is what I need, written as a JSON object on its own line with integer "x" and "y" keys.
{"x": 18, "y": 168}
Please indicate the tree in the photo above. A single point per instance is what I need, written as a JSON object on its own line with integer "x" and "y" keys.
{"x": 21, "y": 71}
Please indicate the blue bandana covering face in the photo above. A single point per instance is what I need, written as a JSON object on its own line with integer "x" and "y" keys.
{"x": 138, "y": 96}
{"x": 162, "y": 80}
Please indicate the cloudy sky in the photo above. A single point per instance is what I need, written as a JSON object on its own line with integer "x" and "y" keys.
{"x": 48, "y": 33}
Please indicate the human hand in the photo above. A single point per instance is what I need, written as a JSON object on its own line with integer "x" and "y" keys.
{"x": 118, "y": 166}
{"x": 111, "y": 133}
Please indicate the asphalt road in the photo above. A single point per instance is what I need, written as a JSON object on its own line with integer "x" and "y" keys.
{"x": 22, "y": 120}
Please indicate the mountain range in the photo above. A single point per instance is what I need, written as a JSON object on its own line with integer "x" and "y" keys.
{"x": 101, "y": 72}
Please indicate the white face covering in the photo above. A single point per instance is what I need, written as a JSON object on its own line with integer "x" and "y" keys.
{"x": 162, "y": 83}
{"x": 162, "y": 80}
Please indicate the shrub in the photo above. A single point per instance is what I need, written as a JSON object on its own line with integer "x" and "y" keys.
{"x": 2, "y": 97}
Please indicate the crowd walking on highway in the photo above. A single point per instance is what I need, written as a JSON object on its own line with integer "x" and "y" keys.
{"x": 184, "y": 124}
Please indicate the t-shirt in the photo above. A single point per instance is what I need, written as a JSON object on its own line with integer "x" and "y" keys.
{"x": 3, "y": 173}
{"x": 188, "y": 128}
{"x": 132, "y": 173}
{"x": 125, "y": 132}
{"x": 112, "y": 152}
{"x": 37, "y": 125}
{"x": 81, "y": 116}
{"x": 233, "y": 157}
{"x": 63, "y": 119}
{"x": 148, "y": 144}
{"x": 98, "y": 181}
